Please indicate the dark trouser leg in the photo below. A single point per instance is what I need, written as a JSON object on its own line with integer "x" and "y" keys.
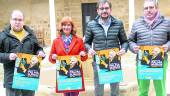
{"x": 71, "y": 94}
{"x": 13, "y": 92}
{"x": 114, "y": 89}
{"x": 99, "y": 88}
{"x": 27, "y": 93}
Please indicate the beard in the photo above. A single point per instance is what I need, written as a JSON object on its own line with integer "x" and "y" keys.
{"x": 105, "y": 16}
{"x": 17, "y": 29}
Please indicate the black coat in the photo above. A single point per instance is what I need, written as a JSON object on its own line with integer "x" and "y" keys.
{"x": 116, "y": 36}
{"x": 10, "y": 44}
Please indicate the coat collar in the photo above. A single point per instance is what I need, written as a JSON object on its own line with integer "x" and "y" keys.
{"x": 72, "y": 44}
{"x": 113, "y": 20}
{"x": 160, "y": 19}
{"x": 26, "y": 28}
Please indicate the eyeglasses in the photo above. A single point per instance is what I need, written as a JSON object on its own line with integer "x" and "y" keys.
{"x": 104, "y": 8}
{"x": 15, "y": 19}
{"x": 150, "y": 8}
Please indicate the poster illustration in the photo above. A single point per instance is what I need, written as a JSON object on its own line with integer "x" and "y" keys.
{"x": 108, "y": 66}
{"x": 26, "y": 72}
{"x": 69, "y": 74}
{"x": 150, "y": 62}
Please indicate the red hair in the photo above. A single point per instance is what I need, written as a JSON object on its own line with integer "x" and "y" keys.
{"x": 65, "y": 20}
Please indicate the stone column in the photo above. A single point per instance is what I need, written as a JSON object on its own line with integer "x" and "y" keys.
{"x": 131, "y": 13}
{"x": 52, "y": 20}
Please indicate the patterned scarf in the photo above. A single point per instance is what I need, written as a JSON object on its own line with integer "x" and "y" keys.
{"x": 67, "y": 42}
{"x": 151, "y": 22}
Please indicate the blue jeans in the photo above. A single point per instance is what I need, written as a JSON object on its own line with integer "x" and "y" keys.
{"x": 19, "y": 92}
{"x": 99, "y": 88}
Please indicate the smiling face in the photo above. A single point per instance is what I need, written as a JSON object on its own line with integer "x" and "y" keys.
{"x": 67, "y": 28}
{"x": 17, "y": 21}
{"x": 150, "y": 10}
{"x": 104, "y": 10}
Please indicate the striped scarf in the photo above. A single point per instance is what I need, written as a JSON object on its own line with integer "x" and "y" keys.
{"x": 151, "y": 22}
{"x": 67, "y": 42}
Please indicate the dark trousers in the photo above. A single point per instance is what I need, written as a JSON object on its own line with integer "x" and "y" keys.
{"x": 19, "y": 92}
{"x": 71, "y": 94}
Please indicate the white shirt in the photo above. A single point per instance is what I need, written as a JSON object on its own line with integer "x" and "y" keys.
{"x": 105, "y": 24}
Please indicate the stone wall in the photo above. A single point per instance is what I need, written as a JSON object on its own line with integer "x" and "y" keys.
{"x": 163, "y": 7}
{"x": 36, "y": 16}
{"x": 73, "y": 8}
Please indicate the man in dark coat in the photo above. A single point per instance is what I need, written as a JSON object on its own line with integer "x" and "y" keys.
{"x": 105, "y": 32}
{"x": 16, "y": 38}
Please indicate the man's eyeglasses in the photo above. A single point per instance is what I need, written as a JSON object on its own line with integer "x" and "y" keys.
{"x": 15, "y": 19}
{"x": 104, "y": 8}
{"x": 150, "y": 8}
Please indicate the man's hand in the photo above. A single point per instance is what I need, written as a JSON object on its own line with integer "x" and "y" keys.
{"x": 91, "y": 52}
{"x": 121, "y": 52}
{"x": 136, "y": 49}
{"x": 12, "y": 56}
{"x": 41, "y": 54}
{"x": 165, "y": 47}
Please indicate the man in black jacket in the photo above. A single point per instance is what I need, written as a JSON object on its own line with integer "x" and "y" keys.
{"x": 16, "y": 38}
{"x": 105, "y": 32}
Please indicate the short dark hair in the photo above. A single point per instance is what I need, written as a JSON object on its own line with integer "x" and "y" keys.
{"x": 103, "y": 1}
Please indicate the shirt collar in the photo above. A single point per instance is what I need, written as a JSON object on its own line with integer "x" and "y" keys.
{"x": 108, "y": 21}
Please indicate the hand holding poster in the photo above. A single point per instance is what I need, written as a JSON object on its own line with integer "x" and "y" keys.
{"x": 109, "y": 66}
{"x": 26, "y": 72}
{"x": 70, "y": 74}
{"x": 150, "y": 62}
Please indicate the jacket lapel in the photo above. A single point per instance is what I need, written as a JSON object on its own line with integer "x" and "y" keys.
{"x": 61, "y": 44}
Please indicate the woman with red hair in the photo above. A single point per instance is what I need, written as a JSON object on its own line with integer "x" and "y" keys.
{"x": 67, "y": 43}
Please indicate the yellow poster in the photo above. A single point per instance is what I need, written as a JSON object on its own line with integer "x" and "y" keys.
{"x": 69, "y": 74}
{"x": 108, "y": 66}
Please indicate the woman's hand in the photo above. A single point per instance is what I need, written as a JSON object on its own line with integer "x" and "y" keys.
{"x": 54, "y": 56}
{"x": 41, "y": 54}
{"x": 82, "y": 53}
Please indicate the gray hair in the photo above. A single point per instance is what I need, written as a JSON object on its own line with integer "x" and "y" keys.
{"x": 102, "y": 2}
{"x": 155, "y": 2}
